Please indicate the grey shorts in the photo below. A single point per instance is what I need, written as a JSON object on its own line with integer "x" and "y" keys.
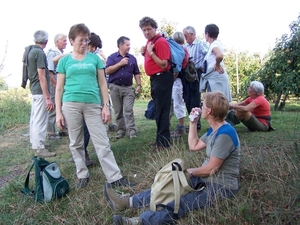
{"x": 254, "y": 124}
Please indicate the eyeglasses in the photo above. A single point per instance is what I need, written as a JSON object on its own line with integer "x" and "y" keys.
{"x": 87, "y": 41}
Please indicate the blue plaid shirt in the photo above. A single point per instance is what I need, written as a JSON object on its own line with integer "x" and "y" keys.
{"x": 197, "y": 50}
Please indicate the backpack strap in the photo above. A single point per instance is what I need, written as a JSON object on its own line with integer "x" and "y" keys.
{"x": 156, "y": 39}
{"x": 170, "y": 61}
{"x": 176, "y": 169}
{"x": 26, "y": 190}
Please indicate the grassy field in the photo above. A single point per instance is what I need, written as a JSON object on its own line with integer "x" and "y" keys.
{"x": 269, "y": 179}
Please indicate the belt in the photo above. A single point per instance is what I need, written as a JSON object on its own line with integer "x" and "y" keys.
{"x": 122, "y": 85}
{"x": 160, "y": 73}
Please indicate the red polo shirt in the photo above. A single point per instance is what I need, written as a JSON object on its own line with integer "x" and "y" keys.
{"x": 262, "y": 109}
{"x": 162, "y": 50}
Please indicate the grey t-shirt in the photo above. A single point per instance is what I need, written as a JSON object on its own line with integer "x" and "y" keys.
{"x": 223, "y": 144}
{"x": 37, "y": 60}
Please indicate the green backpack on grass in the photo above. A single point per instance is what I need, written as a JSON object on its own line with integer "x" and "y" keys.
{"x": 49, "y": 183}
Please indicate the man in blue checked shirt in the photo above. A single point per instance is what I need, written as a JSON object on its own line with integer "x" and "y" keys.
{"x": 197, "y": 50}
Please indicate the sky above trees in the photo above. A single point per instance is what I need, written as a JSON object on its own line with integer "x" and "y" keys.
{"x": 244, "y": 25}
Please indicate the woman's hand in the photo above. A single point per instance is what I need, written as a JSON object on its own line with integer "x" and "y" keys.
{"x": 60, "y": 121}
{"x": 219, "y": 68}
{"x": 195, "y": 115}
{"x": 105, "y": 114}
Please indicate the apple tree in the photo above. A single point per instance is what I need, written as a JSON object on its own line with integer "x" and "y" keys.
{"x": 281, "y": 72}
{"x": 240, "y": 66}
{"x": 3, "y": 84}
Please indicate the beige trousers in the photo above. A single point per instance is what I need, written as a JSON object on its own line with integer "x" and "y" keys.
{"x": 38, "y": 122}
{"x": 74, "y": 113}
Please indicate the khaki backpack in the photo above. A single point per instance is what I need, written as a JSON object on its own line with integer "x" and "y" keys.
{"x": 171, "y": 182}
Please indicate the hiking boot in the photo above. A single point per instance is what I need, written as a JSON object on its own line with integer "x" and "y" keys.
{"x": 132, "y": 134}
{"x": 179, "y": 131}
{"x": 54, "y": 137}
{"x": 43, "y": 153}
{"x": 88, "y": 161}
{"x": 47, "y": 145}
{"x": 122, "y": 182}
{"x": 120, "y": 135}
{"x": 119, "y": 220}
{"x": 116, "y": 201}
{"x": 63, "y": 133}
{"x": 82, "y": 182}
{"x": 112, "y": 127}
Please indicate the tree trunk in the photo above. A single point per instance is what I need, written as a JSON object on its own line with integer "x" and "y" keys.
{"x": 282, "y": 103}
{"x": 277, "y": 100}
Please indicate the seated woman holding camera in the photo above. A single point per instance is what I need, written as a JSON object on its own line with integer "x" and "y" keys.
{"x": 254, "y": 112}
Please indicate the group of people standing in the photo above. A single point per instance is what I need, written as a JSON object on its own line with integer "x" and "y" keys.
{"x": 220, "y": 170}
{"x": 82, "y": 106}
{"x": 208, "y": 59}
{"x": 81, "y": 101}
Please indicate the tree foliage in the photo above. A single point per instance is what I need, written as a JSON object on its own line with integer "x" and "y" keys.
{"x": 3, "y": 84}
{"x": 240, "y": 66}
{"x": 281, "y": 72}
{"x": 167, "y": 27}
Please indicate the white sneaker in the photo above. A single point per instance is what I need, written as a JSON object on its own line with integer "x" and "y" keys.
{"x": 43, "y": 152}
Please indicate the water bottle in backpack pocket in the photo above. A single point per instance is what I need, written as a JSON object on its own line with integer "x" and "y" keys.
{"x": 49, "y": 184}
{"x": 54, "y": 185}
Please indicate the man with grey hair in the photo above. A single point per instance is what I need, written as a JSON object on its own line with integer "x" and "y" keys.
{"x": 60, "y": 41}
{"x": 254, "y": 112}
{"x": 197, "y": 50}
{"x": 41, "y": 100}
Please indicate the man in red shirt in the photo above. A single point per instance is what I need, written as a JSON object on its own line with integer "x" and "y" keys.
{"x": 254, "y": 112}
{"x": 157, "y": 54}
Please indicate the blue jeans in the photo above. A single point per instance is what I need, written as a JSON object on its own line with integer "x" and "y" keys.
{"x": 161, "y": 93}
{"x": 191, "y": 201}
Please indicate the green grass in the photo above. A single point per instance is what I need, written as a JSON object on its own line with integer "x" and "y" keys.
{"x": 269, "y": 172}
{"x": 14, "y": 108}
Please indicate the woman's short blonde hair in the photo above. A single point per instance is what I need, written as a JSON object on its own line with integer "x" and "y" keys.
{"x": 218, "y": 103}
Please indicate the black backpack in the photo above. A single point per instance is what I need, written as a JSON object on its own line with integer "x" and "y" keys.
{"x": 190, "y": 72}
{"x": 150, "y": 112}
{"x": 25, "y": 66}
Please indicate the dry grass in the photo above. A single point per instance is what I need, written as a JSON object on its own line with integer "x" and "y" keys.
{"x": 269, "y": 179}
